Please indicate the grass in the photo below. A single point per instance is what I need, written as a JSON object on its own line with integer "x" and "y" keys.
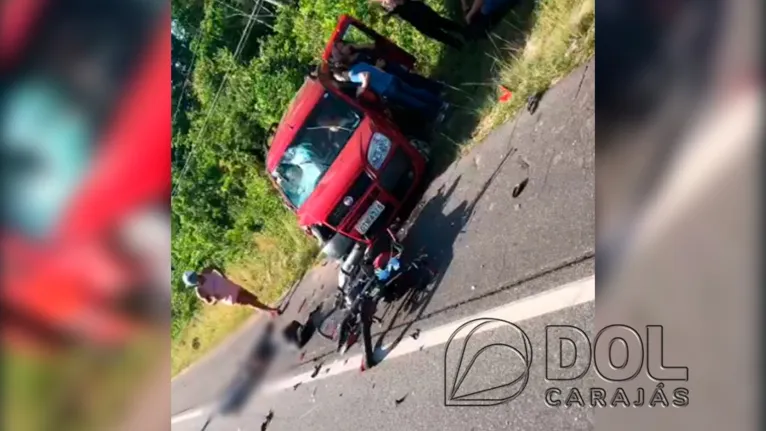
{"x": 562, "y": 38}
{"x": 278, "y": 263}
{"x": 73, "y": 388}
{"x": 536, "y": 44}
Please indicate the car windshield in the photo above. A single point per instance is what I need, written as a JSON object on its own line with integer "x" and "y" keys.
{"x": 316, "y": 146}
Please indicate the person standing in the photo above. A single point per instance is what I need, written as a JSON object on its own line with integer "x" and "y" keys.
{"x": 425, "y": 20}
{"x": 212, "y": 287}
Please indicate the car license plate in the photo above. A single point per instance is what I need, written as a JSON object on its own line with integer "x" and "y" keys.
{"x": 369, "y": 217}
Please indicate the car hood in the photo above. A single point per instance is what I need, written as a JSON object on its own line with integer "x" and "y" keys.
{"x": 331, "y": 189}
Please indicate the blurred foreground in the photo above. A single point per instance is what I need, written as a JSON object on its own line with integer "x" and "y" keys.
{"x": 84, "y": 142}
{"x": 679, "y": 116}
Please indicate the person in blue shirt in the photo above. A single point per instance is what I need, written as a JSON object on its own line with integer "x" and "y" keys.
{"x": 393, "y": 89}
{"x": 346, "y": 55}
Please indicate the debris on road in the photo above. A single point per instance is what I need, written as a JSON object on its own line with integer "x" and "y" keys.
{"x": 327, "y": 370}
{"x": 401, "y": 400}
{"x": 415, "y": 334}
{"x": 296, "y": 385}
{"x": 520, "y": 188}
{"x": 317, "y": 367}
{"x": 313, "y": 395}
{"x": 533, "y": 101}
{"x": 266, "y": 423}
{"x": 473, "y": 287}
{"x": 517, "y": 207}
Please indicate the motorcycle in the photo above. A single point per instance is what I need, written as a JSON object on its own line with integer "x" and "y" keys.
{"x": 353, "y": 311}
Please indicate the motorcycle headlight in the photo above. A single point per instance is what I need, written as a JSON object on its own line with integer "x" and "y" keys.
{"x": 378, "y": 150}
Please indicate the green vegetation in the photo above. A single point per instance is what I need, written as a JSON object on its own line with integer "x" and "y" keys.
{"x": 563, "y": 38}
{"x": 224, "y": 209}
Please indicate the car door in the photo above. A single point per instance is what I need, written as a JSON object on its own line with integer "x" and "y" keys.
{"x": 351, "y": 30}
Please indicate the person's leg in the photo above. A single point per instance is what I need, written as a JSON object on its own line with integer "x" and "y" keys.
{"x": 424, "y": 106}
{"x": 433, "y": 17}
{"x": 478, "y": 27}
{"x": 245, "y": 297}
{"x": 429, "y": 98}
{"x": 415, "y": 80}
{"x": 412, "y": 12}
{"x": 420, "y": 81}
{"x": 395, "y": 95}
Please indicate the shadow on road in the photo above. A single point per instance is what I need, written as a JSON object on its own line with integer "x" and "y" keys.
{"x": 435, "y": 233}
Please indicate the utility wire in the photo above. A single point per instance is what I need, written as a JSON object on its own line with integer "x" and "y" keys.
{"x": 237, "y": 52}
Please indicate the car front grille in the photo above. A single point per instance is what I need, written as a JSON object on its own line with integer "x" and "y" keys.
{"x": 356, "y": 191}
{"x": 398, "y": 175}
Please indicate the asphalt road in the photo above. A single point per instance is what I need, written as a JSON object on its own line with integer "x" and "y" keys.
{"x": 488, "y": 248}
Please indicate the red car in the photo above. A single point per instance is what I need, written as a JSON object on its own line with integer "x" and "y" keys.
{"x": 85, "y": 141}
{"x": 342, "y": 163}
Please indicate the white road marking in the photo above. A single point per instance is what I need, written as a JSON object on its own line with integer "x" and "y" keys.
{"x": 559, "y": 298}
{"x": 187, "y": 415}
{"x": 552, "y": 300}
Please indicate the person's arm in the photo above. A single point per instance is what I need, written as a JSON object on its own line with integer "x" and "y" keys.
{"x": 475, "y": 8}
{"x": 204, "y": 298}
{"x": 364, "y": 77}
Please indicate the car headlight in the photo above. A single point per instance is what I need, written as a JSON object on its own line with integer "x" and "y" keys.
{"x": 378, "y": 150}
